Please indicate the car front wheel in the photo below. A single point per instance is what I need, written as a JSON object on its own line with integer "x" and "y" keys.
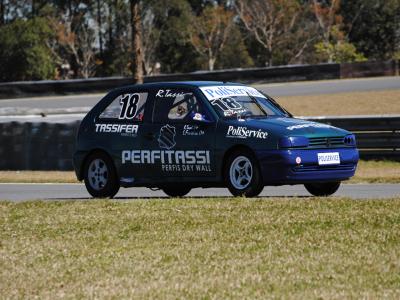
{"x": 100, "y": 176}
{"x": 323, "y": 188}
{"x": 242, "y": 174}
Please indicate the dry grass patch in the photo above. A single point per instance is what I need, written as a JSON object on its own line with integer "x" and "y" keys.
{"x": 38, "y": 177}
{"x": 377, "y": 172}
{"x": 355, "y": 103}
{"x": 306, "y": 248}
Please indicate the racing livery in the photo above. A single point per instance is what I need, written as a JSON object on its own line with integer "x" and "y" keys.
{"x": 178, "y": 136}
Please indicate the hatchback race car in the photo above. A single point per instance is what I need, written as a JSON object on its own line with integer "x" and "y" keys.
{"x": 182, "y": 135}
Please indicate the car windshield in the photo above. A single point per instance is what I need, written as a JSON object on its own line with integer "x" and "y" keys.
{"x": 241, "y": 101}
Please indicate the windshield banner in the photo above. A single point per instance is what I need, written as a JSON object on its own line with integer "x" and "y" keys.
{"x": 215, "y": 92}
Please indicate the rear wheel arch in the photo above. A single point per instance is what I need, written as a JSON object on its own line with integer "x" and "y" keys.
{"x": 100, "y": 175}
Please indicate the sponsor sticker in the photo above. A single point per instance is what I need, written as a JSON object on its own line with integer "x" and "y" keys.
{"x": 243, "y": 132}
{"x": 192, "y": 130}
{"x": 228, "y": 105}
{"x": 308, "y": 125}
{"x": 170, "y": 160}
{"x": 168, "y": 94}
{"x": 332, "y": 158}
{"x": 123, "y": 129}
{"x": 166, "y": 138}
{"x": 215, "y": 92}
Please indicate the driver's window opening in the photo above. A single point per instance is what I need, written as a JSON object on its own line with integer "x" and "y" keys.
{"x": 183, "y": 107}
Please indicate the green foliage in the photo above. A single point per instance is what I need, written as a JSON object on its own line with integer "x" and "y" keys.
{"x": 234, "y": 54}
{"x": 24, "y": 54}
{"x": 174, "y": 51}
{"x": 341, "y": 52}
{"x": 373, "y": 26}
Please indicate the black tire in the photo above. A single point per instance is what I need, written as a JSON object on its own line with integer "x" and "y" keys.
{"x": 240, "y": 180}
{"x": 175, "y": 191}
{"x": 322, "y": 189}
{"x": 100, "y": 176}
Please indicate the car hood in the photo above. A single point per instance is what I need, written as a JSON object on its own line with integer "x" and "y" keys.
{"x": 292, "y": 127}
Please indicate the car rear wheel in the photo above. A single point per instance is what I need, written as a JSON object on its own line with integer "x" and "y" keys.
{"x": 323, "y": 188}
{"x": 242, "y": 174}
{"x": 173, "y": 191}
{"x": 100, "y": 176}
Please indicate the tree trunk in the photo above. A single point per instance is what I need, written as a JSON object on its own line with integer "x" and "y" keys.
{"x": 211, "y": 63}
{"x": 110, "y": 27}
{"x": 33, "y": 11}
{"x": 137, "y": 55}
{"x": 2, "y": 13}
{"x": 100, "y": 25}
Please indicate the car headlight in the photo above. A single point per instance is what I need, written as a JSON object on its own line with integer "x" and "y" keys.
{"x": 293, "y": 142}
{"x": 350, "y": 140}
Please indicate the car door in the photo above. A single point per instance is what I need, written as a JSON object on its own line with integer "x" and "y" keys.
{"x": 181, "y": 137}
{"x": 119, "y": 128}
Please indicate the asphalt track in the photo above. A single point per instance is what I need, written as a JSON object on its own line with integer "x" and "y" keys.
{"x": 73, "y": 102}
{"x": 25, "y": 192}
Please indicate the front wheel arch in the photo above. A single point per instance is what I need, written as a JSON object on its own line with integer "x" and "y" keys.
{"x": 255, "y": 184}
{"x": 229, "y": 152}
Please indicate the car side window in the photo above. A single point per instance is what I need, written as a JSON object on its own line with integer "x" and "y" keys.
{"x": 129, "y": 106}
{"x": 176, "y": 106}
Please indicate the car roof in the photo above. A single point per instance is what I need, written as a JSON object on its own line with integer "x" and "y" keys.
{"x": 175, "y": 84}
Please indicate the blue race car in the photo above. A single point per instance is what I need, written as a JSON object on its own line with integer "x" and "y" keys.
{"x": 182, "y": 135}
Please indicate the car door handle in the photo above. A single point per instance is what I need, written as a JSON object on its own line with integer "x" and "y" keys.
{"x": 149, "y": 136}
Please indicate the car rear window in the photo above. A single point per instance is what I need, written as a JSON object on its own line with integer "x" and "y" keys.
{"x": 126, "y": 107}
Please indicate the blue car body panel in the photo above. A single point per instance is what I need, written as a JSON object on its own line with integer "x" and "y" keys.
{"x": 148, "y": 150}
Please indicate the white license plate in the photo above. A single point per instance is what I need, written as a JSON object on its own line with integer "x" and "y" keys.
{"x": 331, "y": 158}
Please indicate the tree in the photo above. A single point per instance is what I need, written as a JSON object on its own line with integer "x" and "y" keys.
{"x": 25, "y": 57}
{"x": 116, "y": 57}
{"x": 100, "y": 25}
{"x": 334, "y": 46}
{"x": 235, "y": 53}
{"x": 137, "y": 54}
{"x": 210, "y": 31}
{"x": 373, "y": 26}
{"x": 150, "y": 39}
{"x": 173, "y": 48}
{"x": 276, "y": 24}
{"x": 78, "y": 45}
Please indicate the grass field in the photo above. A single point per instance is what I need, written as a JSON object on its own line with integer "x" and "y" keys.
{"x": 221, "y": 248}
{"x": 367, "y": 172}
{"x": 355, "y": 103}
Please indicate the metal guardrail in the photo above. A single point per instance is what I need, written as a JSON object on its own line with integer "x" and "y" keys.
{"x": 49, "y": 146}
{"x": 378, "y": 137}
{"x": 268, "y": 74}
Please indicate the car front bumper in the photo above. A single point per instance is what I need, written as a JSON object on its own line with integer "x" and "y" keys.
{"x": 298, "y": 166}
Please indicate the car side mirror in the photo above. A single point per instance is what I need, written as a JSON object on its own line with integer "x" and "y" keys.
{"x": 201, "y": 119}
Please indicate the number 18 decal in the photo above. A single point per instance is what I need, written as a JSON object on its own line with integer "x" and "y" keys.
{"x": 129, "y": 105}
{"x": 226, "y": 104}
